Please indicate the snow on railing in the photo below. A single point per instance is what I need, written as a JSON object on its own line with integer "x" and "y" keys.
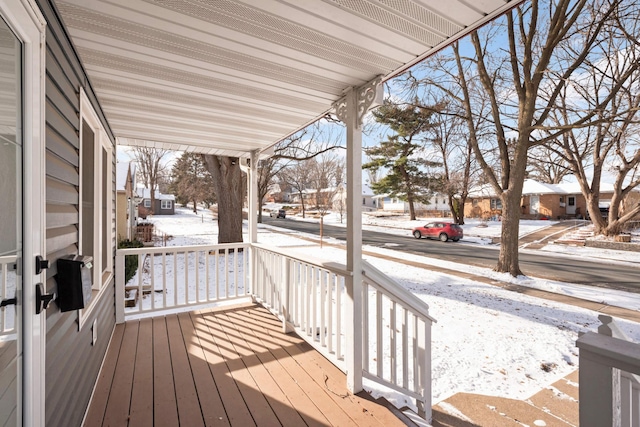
{"x": 397, "y": 326}
{"x": 8, "y": 290}
{"x": 609, "y": 377}
{"x": 174, "y": 277}
{"x": 307, "y": 295}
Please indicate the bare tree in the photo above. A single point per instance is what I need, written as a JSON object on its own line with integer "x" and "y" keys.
{"x": 304, "y": 145}
{"x": 297, "y": 177}
{"x": 607, "y": 89}
{"x": 151, "y": 167}
{"x": 325, "y": 173}
{"x": 545, "y": 165}
{"x": 522, "y": 73}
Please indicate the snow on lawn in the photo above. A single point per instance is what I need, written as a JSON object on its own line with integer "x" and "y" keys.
{"x": 486, "y": 340}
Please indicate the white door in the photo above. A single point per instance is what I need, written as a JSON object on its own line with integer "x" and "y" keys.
{"x": 571, "y": 205}
{"x": 534, "y": 207}
{"x": 21, "y": 214}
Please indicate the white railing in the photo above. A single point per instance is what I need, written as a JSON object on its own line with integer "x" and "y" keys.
{"x": 8, "y": 290}
{"x": 308, "y": 295}
{"x": 175, "y": 277}
{"x": 609, "y": 378}
{"x": 397, "y": 327}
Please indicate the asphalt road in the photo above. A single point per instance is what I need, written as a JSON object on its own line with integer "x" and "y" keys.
{"x": 553, "y": 267}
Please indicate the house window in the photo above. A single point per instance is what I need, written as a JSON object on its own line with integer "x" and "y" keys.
{"x": 96, "y": 200}
{"x": 496, "y": 204}
{"x": 165, "y": 204}
{"x": 571, "y": 200}
{"x": 474, "y": 202}
{"x": 561, "y": 199}
{"x": 147, "y": 203}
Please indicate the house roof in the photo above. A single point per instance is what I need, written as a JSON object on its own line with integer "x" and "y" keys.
{"x": 122, "y": 168}
{"x": 533, "y": 187}
{"x": 228, "y": 77}
{"x": 146, "y": 194}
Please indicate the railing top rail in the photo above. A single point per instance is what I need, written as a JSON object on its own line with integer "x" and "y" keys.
{"x": 611, "y": 351}
{"x": 8, "y": 258}
{"x": 394, "y": 289}
{"x": 161, "y": 249}
{"x": 334, "y": 267}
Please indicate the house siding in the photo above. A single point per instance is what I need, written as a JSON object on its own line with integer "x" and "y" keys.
{"x": 72, "y": 363}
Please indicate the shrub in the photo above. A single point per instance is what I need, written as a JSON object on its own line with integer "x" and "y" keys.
{"x": 130, "y": 261}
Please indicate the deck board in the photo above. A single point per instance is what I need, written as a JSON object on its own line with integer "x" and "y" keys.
{"x": 142, "y": 392}
{"x": 165, "y": 410}
{"x": 231, "y": 367}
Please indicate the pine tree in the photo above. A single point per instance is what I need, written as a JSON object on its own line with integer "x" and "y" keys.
{"x": 402, "y": 155}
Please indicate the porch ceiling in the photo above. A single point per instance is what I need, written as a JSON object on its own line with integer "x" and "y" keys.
{"x": 231, "y": 76}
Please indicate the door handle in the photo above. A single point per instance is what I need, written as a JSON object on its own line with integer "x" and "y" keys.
{"x": 42, "y": 299}
{"x": 8, "y": 301}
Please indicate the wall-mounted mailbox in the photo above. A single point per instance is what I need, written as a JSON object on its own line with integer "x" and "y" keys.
{"x": 74, "y": 282}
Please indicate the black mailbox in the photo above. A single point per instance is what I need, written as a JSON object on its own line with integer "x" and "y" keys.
{"x": 74, "y": 282}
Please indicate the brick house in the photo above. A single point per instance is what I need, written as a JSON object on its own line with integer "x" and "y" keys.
{"x": 540, "y": 200}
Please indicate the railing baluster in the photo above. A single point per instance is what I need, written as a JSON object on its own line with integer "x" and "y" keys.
{"x": 394, "y": 343}
{"x": 365, "y": 325}
{"x": 207, "y": 287}
{"x": 196, "y": 262}
{"x": 175, "y": 278}
{"x": 339, "y": 288}
{"x": 379, "y": 335}
{"x": 164, "y": 280}
{"x": 405, "y": 348}
{"x": 226, "y": 273}
{"x": 186, "y": 277}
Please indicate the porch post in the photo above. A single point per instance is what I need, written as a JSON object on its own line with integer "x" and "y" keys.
{"x": 252, "y": 218}
{"x": 351, "y": 110}
{"x": 252, "y": 182}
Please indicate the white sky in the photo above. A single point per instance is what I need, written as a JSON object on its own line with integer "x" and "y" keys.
{"x": 486, "y": 340}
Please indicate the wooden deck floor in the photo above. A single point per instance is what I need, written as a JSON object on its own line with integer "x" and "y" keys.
{"x": 227, "y": 367}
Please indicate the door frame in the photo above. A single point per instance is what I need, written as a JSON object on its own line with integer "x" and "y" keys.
{"x": 28, "y": 24}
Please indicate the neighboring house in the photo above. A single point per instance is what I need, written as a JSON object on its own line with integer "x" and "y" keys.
{"x": 437, "y": 205}
{"x": 540, "y": 200}
{"x": 368, "y": 200}
{"x": 126, "y": 200}
{"x": 165, "y": 204}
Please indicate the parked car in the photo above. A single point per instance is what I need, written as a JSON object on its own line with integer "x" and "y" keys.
{"x": 439, "y": 230}
{"x": 278, "y": 213}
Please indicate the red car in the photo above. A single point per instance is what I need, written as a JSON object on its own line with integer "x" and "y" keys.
{"x": 439, "y": 230}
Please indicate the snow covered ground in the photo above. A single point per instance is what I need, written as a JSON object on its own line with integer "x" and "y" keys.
{"x": 486, "y": 340}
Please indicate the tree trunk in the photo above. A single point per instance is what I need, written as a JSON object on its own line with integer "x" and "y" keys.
{"x": 228, "y": 186}
{"x": 195, "y": 206}
{"x": 508, "y": 261}
{"x": 412, "y": 210}
{"x": 302, "y": 204}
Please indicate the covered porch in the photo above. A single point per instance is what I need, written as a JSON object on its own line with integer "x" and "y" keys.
{"x": 233, "y": 78}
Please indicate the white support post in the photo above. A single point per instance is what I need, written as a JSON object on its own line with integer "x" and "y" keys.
{"x": 253, "y": 198}
{"x": 252, "y": 182}
{"x": 120, "y": 289}
{"x": 351, "y": 110}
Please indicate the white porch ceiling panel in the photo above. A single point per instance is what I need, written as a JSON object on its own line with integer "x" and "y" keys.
{"x": 231, "y": 76}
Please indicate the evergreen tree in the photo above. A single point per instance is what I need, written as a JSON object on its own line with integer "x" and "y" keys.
{"x": 191, "y": 182}
{"x": 402, "y": 155}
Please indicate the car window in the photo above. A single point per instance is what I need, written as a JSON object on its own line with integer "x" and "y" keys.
{"x": 430, "y": 225}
